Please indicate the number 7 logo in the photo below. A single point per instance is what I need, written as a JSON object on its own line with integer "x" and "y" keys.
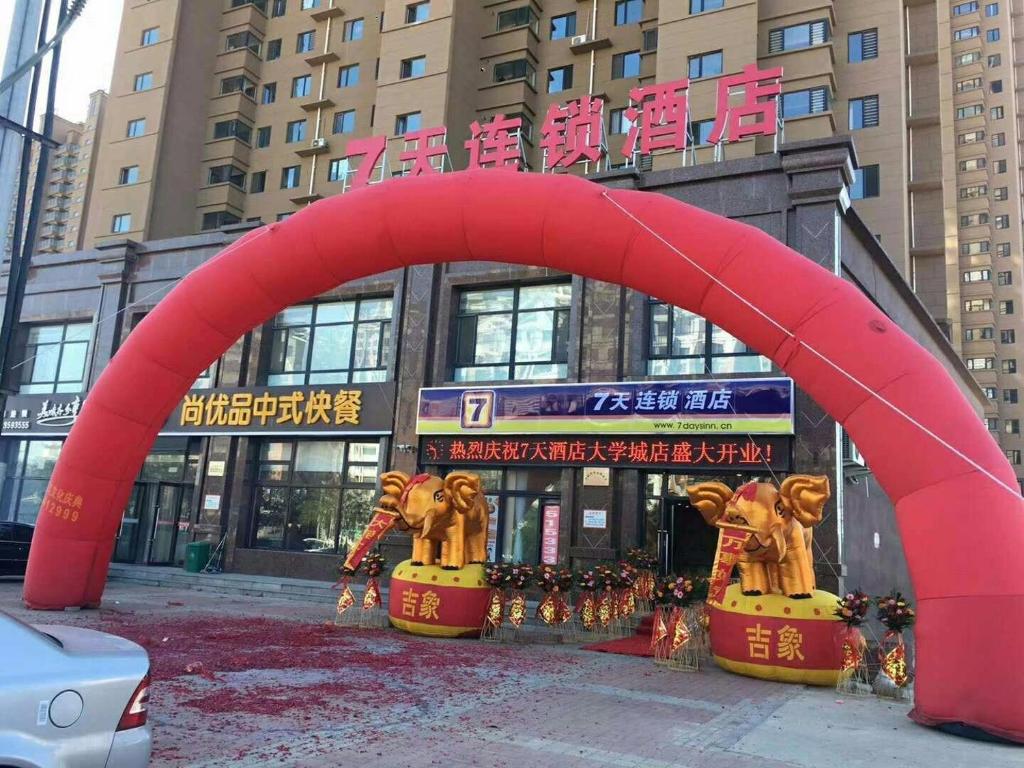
{"x": 477, "y": 410}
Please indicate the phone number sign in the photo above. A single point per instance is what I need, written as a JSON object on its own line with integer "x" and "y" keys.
{"x": 672, "y": 453}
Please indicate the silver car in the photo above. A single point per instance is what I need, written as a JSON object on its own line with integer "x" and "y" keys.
{"x": 71, "y": 697}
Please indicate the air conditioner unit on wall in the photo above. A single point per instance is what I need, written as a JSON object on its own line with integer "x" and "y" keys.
{"x": 319, "y": 143}
{"x": 851, "y": 456}
{"x": 578, "y": 40}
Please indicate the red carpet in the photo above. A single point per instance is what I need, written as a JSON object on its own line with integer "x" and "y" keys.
{"x": 638, "y": 644}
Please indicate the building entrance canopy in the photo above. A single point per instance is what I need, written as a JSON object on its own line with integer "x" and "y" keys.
{"x": 927, "y": 447}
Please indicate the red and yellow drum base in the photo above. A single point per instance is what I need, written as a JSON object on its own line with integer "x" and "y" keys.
{"x": 428, "y": 600}
{"x": 777, "y": 638}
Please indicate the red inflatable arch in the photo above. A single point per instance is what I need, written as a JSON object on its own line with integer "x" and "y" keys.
{"x": 956, "y": 497}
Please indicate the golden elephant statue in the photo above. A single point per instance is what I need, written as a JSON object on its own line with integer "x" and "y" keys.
{"x": 447, "y": 518}
{"x": 777, "y": 557}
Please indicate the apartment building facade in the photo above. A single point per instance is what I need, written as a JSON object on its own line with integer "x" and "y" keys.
{"x": 67, "y": 194}
{"x": 232, "y": 110}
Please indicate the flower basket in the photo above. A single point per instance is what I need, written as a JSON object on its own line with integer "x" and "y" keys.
{"x": 520, "y": 576}
{"x": 498, "y": 576}
{"x": 644, "y": 585}
{"x": 852, "y": 610}
{"x": 677, "y": 635}
{"x": 895, "y": 678}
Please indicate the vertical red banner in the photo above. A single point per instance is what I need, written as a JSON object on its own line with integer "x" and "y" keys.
{"x": 549, "y": 534}
{"x": 730, "y": 544}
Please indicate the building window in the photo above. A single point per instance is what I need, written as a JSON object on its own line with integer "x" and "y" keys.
{"x": 864, "y": 112}
{"x": 1012, "y": 426}
{"x": 1013, "y": 456}
{"x": 55, "y": 358}
{"x": 973, "y": 220}
{"x": 992, "y": 35}
{"x": 626, "y": 65}
{"x": 417, "y": 12}
{"x": 136, "y": 128}
{"x": 261, "y": 4}
{"x": 295, "y": 131}
{"x": 972, "y": 164}
{"x": 331, "y": 343}
{"x": 143, "y": 82}
{"x": 257, "y": 182}
{"x": 232, "y": 129}
{"x": 996, "y": 113}
{"x": 862, "y": 45}
{"x": 560, "y": 79}
{"x": 618, "y": 123}
{"x": 996, "y": 86}
{"x": 1000, "y": 194}
{"x": 973, "y": 191}
{"x": 313, "y": 495}
{"x": 1008, "y": 336}
{"x": 339, "y": 170}
{"x": 700, "y": 6}
{"x": 961, "y": 9}
{"x": 995, "y": 60}
{"x": 981, "y": 363}
{"x": 966, "y": 33}
{"x": 309, "y": 5}
{"x": 1010, "y": 396}
{"x": 238, "y": 84}
{"x": 128, "y": 175}
{"x": 970, "y": 84}
{"x": 29, "y": 466}
{"x": 975, "y": 248}
{"x": 991, "y": 9}
{"x": 302, "y": 86}
{"x": 227, "y": 174}
{"x": 1002, "y": 250}
{"x": 519, "y": 332}
{"x": 992, "y": 424}
{"x": 515, "y": 70}
{"x": 806, "y": 102}
{"x": 971, "y": 110}
{"x": 269, "y": 93}
{"x": 682, "y": 343}
{"x": 563, "y": 26}
{"x": 414, "y": 67}
{"x": 345, "y": 122}
{"x": 1006, "y": 307}
{"x": 982, "y": 333}
{"x": 263, "y": 136}
{"x": 407, "y": 123}
{"x": 650, "y": 40}
{"x": 242, "y": 41}
{"x": 1003, "y": 219}
{"x": 705, "y": 65}
{"x": 352, "y": 30}
{"x": 291, "y": 177}
{"x": 977, "y": 275}
{"x": 700, "y": 132}
{"x": 998, "y": 139}
{"x": 279, "y": 8}
{"x": 348, "y": 76}
{"x": 978, "y": 305}
{"x": 514, "y": 18}
{"x": 628, "y": 12}
{"x": 999, "y": 166}
{"x": 218, "y": 219}
{"x": 151, "y": 36}
{"x": 798, "y": 36}
{"x": 274, "y": 49}
{"x": 305, "y": 41}
{"x": 1004, "y": 278}
{"x": 866, "y": 183}
{"x": 122, "y": 222}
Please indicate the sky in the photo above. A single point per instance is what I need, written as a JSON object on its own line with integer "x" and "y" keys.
{"x": 87, "y": 57}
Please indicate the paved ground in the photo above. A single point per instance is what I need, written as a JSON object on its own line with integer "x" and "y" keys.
{"x": 261, "y": 682}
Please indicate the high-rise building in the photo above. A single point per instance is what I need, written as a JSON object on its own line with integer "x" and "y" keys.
{"x": 67, "y": 194}
{"x": 231, "y": 110}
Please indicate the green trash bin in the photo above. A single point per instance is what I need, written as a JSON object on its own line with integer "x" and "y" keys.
{"x": 197, "y": 555}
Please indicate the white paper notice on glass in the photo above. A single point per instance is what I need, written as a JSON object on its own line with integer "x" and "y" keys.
{"x": 595, "y": 518}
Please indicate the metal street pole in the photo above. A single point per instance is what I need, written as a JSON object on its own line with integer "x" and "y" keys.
{"x": 21, "y": 46}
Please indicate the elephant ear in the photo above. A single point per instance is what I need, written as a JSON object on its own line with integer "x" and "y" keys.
{"x": 462, "y": 488}
{"x": 710, "y": 499}
{"x": 804, "y": 497}
{"x": 393, "y": 483}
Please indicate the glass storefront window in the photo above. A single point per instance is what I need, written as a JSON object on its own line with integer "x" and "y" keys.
{"x": 313, "y": 495}
{"x": 681, "y": 343}
{"x": 519, "y": 332}
{"x": 29, "y": 466}
{"x": 517, "y": 498}
{"x": 55, "y": 358}
{"x": 334, "y": 342}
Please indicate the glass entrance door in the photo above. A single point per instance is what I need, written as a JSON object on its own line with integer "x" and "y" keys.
{"x": 127, "y": 548}
{"x": 165, "y": 548}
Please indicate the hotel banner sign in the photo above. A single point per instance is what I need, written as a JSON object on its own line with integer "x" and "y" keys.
{"x": 352, "y": 409}
{"x": 735, "y": 406}
{"x": 738, "y": 454}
